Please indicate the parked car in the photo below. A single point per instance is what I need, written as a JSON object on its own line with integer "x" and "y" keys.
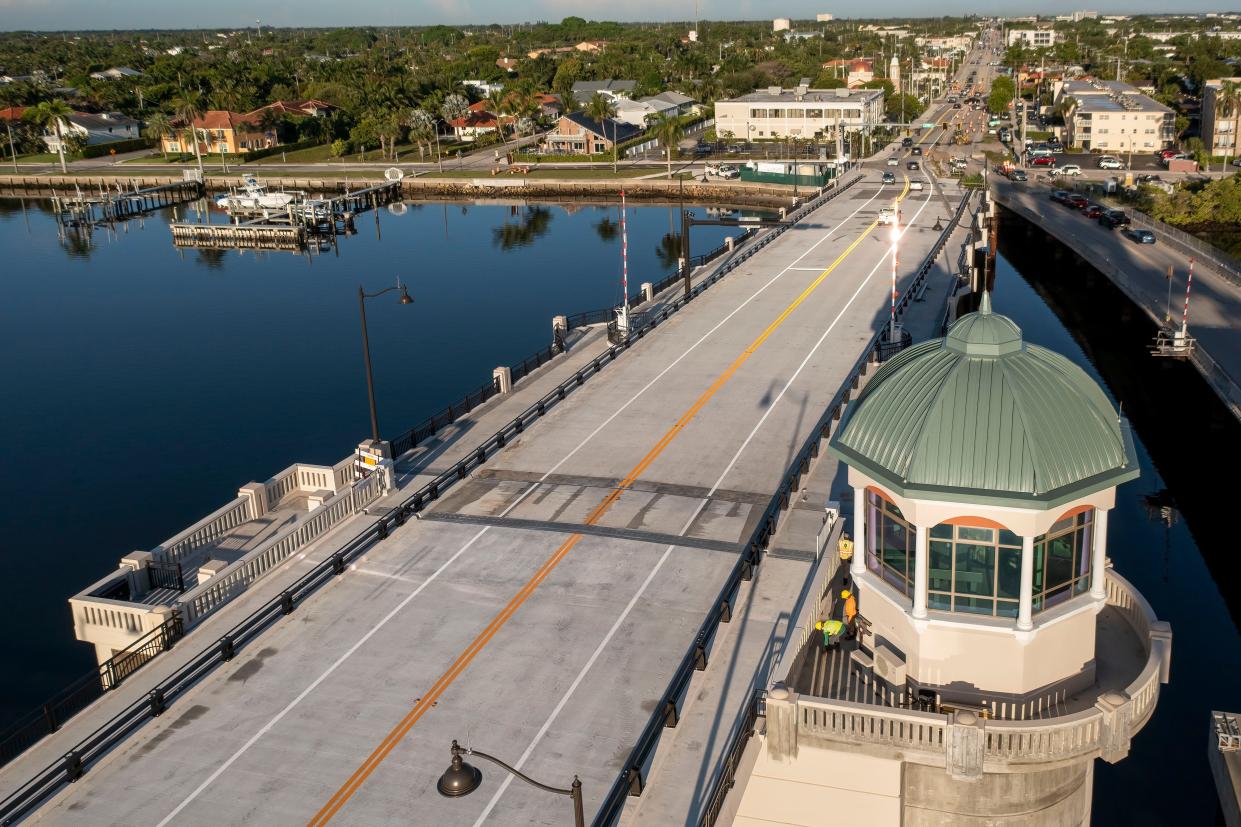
{"x": 1147, "y": 179}
{"x": 1178, "y": 156}
{"x": 1092, "y": 211}
{"x": 1067, "y": 169}
{"x": 1059, "y": 195}
{"x": 888, "y": 178}
{"x": 1110, "y": 162}
{"x": 1043, "y": 161}
{"x": 1017, "y": 175}
{"x": 1165, "y": 154}
{"x": 1076, "y": 201}
{"x": 893, "y": 161}
{"x": 911, "y": 165}
{"x": 1056, "y": 147}
{"x": 1113, "y": 219}
{"x": 1141, "y": 236}
{"x": 728, "y": 172}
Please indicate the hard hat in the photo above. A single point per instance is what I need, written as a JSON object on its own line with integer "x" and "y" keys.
{"x": 846, "y": 593}
{"x": 819, "y": 625}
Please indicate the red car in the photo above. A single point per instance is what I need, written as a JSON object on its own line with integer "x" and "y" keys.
{"x": 1043, "y": 161}
{"x": 1165, "y": 154}
{"x": 1092, "y": 210}
{"x": 1076, "y": 201}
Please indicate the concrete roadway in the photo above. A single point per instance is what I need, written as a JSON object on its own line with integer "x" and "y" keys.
{"x": 538, "y": 611}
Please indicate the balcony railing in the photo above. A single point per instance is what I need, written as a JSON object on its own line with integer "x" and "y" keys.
{"x": 967, "y": 745}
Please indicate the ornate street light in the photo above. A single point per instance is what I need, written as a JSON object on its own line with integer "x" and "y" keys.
{"x": 462, "y": 779}
{"x": 366, "y": 348}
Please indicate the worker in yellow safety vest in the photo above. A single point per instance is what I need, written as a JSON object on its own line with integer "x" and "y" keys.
{"x": 845, "y": 548}
{"x": 832, "y": 631}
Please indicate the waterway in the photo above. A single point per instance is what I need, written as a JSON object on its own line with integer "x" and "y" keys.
{"x": 1177, "y": 557}
{"x": 143, "y": 385}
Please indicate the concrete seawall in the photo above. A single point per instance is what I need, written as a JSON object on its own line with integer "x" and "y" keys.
{"x": 470, "y": 189}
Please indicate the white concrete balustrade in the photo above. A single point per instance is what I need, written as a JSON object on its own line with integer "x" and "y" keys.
{"x": 1101, "y": 730}
{"x": 221, "y": 554}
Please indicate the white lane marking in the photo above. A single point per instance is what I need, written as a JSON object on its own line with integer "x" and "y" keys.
{"x": 336, "y": 664}
{"x": 607, "y": 639}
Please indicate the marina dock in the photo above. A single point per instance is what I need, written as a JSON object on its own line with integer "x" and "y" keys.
{"x": 115, "y": 202}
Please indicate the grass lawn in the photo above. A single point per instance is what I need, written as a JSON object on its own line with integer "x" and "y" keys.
{"x": 40, "y": 158}
{"x": 406, "y": 153}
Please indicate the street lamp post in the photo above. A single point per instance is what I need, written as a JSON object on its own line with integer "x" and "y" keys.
{"x": 366, "y": 348}
{"x": 462, "y": 779}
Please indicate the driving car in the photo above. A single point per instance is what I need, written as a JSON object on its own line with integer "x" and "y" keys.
{"x": 886, "y": 216}
{"x": 1043, "y": 161}
{"x": 916, "y": 150}
{"x": 1141, "y": 236}
{"x": 1059, "y": 195}
{"x": 1110, "y": 162}
{"x": 915, "y": 186}
{"x": 1067, "y": 169}
{"x": 907, "y": 142}
{"x": 1114, "y": 218}
{"x": 911, "y": 165}
{"x": 893, "y": 161}
{"x": 729, "y": 172}
{"x": 1017, "y": 175}
{"x": 888, "y": 178}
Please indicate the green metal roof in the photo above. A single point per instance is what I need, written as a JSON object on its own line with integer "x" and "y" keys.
{"x": 981, "y": 416}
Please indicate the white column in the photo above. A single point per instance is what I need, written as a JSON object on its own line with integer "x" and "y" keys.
{"x": 1098, "y": 555}
{"x": 920, "y": 571}
{"x": 858, "y": 564}
{"x": 1025, "y": 609}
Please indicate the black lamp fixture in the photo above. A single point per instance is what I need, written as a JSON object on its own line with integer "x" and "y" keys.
{"x": 462, "y": 779}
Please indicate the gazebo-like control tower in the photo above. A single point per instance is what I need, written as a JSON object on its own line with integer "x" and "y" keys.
{"x": 997, "y": 652}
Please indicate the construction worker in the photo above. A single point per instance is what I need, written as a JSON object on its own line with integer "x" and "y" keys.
{"x": 832, "y": 631}
{"x": 850, "y": 613}
{"x": 844, "y": 546}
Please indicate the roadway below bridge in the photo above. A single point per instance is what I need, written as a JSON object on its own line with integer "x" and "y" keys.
{"x": 1141, "y": 272}
{"x": 538, "y": 610}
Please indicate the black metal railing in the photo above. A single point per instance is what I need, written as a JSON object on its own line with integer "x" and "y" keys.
{"x": 526, "y": 366}
{"x": 165, "y": 576}
{"x": 49, "y": 716}
{"x": 425, "y": 430}
{"x": 631, "y": 779}
{"x": 78, "y": 759}
{"x": 751, "y": 710}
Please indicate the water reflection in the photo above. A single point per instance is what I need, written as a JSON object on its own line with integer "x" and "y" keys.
{"x": 531, "y": 223}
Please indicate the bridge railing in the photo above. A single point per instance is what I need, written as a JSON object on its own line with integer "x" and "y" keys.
{"x": 78, "y": 759}
{"x": 630, "y": 781}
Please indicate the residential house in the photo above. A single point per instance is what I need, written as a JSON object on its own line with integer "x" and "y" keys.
{"x": 508, "y": 64}
{"x": 550, "y": 106}
{"x": 639, "y": 112}
{"x": 221, "y": 131}
{"x": 578, "y": 134}
{"x": 116, "y": 73}
{"x": 534, "y": 54}
{"x": 1219, "y": 132}
{"x": 485, "y": 88}
{"x": 94, "y": 129}
{"x": 593, "y": 47}
{"x": 305, "y": 108}
{"x": 477, "y": 121}
{"x": 12, "y": 114}
{"x": 583, "y": 90}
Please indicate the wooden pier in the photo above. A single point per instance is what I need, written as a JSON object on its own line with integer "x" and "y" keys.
{"x": 294, "y": 227}
{"x": 116, "y": 203}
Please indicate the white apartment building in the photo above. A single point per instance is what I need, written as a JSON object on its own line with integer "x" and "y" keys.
{"x": 1219, "y": 131}
{"x": 781, "y": 24}
{"x": 1111, "y": 116}
{"x": 798, "y": 113}
{"x": 824, "y": 18}
{"x": 1034, "y": 38}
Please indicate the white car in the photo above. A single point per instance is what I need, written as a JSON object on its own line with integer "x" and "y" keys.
{"x": 1067, "y": 169}
{"x": 729, "y": 172}
{"x": 1108, "y": 162}
{"x": 915, "y": 186}
{"x": 886, "y": 216}
{"x": 893, "y": 161}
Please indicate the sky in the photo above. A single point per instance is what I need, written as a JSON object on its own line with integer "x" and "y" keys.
{"x": 59, "y": 15}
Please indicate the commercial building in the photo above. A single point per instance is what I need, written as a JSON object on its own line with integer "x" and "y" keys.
{"x": 996, "y": 651}
{"x": 855, "y": 72}
{"x": 1221, "y": 115}
{"x": 1110, "y": 116}
{"x": 1034, "y": 38}
{"x": 823, "y": 17}
{"x": 798, "y": 113}
{"x": 781, "y": 24}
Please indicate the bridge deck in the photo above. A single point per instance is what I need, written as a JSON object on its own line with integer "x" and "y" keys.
{"x": 534, "y": 612}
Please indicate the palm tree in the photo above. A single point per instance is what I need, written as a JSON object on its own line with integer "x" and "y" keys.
{"x": 668, "y": 131}
{"x": 495, "y": 105}
{"x": 601, "y": 109}
{"x": 189, "y": 108}
{"x": 51, "y": 114}
{"x": 158, "y": 127}
{"x": 1227, "y": 102}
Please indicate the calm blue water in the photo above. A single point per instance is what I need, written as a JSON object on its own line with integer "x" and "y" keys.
{"x": 143, "y": 385}
{"x": 1179, "y": 425}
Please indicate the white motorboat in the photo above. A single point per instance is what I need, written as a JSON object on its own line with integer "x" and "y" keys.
{"x": 254, "y": 196}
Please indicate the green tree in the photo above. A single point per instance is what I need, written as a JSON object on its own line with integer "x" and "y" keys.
{"x": 601, "y": 109}
{"x": 1227, "y": 102}
{"x": 668, "y": 131}
{"x": 1002, "y": 93}
{"x": 339, "y": 148}
{"x": 189, "y": 108}
{"x": 50, "y": 115}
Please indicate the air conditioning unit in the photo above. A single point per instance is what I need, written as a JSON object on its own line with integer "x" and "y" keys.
{"x": 890, "y": 666}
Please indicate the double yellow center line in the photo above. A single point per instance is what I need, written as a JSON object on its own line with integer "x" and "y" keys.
{"x": 359, "y": 776}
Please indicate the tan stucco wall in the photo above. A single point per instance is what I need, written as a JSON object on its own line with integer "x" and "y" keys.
{"x": 821, "y": 787}
{"x": 1052, "y": 798}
